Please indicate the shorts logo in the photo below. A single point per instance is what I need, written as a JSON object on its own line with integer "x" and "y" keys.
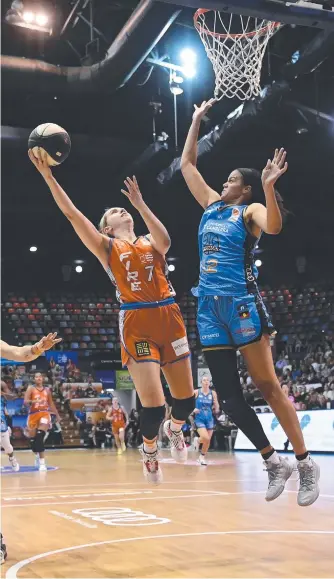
{"x": 181, "y": 346}
{"x": 235, "y": 215}
{"x": 142, "y": 349}
{"x": 243, "y": 312}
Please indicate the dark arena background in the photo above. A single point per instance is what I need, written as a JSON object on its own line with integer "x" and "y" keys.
{"x": 122, "y": 77}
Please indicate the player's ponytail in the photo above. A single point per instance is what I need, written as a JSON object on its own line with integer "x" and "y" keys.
{"x": 252, "y": 177}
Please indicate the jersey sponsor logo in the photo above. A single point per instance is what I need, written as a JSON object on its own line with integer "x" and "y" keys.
{"x": 142, "y": 349}
{"x": 181, "y": 346}
{"x": 235, "y": 215}
{"x": 146, "y": 258}
{"x": 243, "y": 312}
{"x": 207, "y": 336}
{"x": 249, "y": 331}
{"x": 215, "y": 227}
{"x": 210, "y": 243}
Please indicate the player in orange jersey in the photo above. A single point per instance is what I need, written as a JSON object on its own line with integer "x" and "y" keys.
{"x": 152, "y": 330}
{"x": 39, "y": 398}
{"x": 119, "y": 421}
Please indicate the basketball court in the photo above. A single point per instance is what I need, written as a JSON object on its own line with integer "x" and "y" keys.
{"x": 96, "y": 517}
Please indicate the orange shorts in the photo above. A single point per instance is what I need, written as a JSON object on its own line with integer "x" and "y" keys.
{"x": 116, "y": 427}
{"x": 37, "y": 418}
{"x": 153, "y": 335}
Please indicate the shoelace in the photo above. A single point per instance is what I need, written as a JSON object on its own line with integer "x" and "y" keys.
{"x": 306, "y": 477}
{"x": 273, "y": 471}
{"x": 177, "y": 439}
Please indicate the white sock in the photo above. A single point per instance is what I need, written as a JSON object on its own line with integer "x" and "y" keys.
{"x": 150, "y": 448}
{"x": 175, "y": 426}
{"x": 274, "y": 458}
{"x": 42, "y": 460}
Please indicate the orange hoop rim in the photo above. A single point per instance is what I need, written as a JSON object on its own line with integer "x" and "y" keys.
{"x": 200, "y": 28}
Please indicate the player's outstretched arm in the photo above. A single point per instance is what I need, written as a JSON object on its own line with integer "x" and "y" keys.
{"x": 97, "y": 243}
{"x": 28, "y": 353}
{"x": 159, "y": 235}
{"x": 198, "y": 187}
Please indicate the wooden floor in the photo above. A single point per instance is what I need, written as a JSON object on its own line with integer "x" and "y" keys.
{"x": 96, "y": 517}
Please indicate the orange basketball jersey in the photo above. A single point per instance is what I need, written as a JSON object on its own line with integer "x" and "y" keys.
{"x": 138, "y": 271}
{"x": 40, "y": 401}
{"x": 117, "y": 415}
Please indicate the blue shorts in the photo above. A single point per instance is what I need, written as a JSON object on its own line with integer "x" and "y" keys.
{"x": 224, "y": 321}
{"x": 204, "y": 422}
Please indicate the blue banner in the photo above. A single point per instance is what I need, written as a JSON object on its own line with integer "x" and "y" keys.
{"x": 107, "y": 377}
{"x": 5, "y": 362}
{"x": 62, "y": 358}
{"x": 19, "y": 421}
{"x": 14, "y": 406}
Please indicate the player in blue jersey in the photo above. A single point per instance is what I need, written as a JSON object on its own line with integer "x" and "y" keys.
{"x": 5, "y": 430}
{"x": 231, "y": 314}
{"x": 206, "y": 406}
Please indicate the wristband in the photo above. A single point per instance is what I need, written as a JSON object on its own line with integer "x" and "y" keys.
{"x": 36, "y": 351}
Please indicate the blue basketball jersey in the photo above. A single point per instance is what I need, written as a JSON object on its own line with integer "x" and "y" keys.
{"x": 3, "y": 419}
{"x": 204, "y": 402}
{"x": 226, "y": 249}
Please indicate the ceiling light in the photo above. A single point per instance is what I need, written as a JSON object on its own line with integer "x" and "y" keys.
{"x": 258, "y": 262}
{"x": 41, "y": 19}
{"x": 188, "y": 56}
{"x": 78, "y": 268}
{"x": 33, "y": 248}
{"x": 171, "y": 267}
{"x": 175, "y": 89}
{"x": 28, "y": 16}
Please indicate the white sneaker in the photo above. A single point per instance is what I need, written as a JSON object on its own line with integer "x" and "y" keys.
{"x": 123, "y": 446}
{"x": 14, "y": 464}
{"x": 309, "y": 474}
{"x": 37, "y": 461}
{"x": 202, "y": 460}
{"x": 178, "y": 447}
{"x": 42, "y": 467}
{"x": 278, "y": 474}
{"x": 151, "y": 469}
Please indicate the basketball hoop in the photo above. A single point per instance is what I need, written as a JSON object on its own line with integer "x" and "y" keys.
{"x": 235, "y": 45}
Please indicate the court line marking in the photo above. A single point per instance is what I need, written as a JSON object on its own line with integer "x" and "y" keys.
{"x": 107, "y": 494}
{"x": 188, "y": 481}
{"x": 12, "y": 571}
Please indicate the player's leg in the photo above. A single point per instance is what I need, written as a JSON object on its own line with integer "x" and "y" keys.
{"x": 115, "y": 432}
{"x": 175, "y": 364}
{"x": 43, "y": 425}
{"x": 3, "y": 550}
{"x": 258, "y": 357}
{"x": 8, "y": 449}
{"x": 121, "y": 435}
{"x": 146, "y": 378}
{"x": 204, "y": 439}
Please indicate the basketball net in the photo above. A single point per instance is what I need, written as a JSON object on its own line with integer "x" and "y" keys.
{"x": 236, "y": 56}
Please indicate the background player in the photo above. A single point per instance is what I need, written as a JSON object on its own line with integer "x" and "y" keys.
{"x": 231, "y": 314}
{"x": 152, "y": 330}
{"x": 206, "y": 405}
{"x": 119, "y": 422}
{"x": 39, "y": 398}
{"x": 5, "y": 430}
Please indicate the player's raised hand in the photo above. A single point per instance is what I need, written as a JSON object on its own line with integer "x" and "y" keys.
{"x": 40, "y": 163}
{"x": 133, "y": 192}
{"x": 46, "y": 343}
{"x": 275, "y": 168}
{"x": 201, "y": 111}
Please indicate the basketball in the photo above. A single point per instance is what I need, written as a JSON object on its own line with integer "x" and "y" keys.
{"x": 53, "y": 139}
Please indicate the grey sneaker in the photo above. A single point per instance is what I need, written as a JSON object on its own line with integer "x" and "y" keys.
{"x": 309, "y": 474}
{"x": 278, "y": 474}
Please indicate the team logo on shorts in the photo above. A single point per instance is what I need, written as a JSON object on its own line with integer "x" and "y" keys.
{"x": 142, "y": 349}
{"x": 243, "y": 312}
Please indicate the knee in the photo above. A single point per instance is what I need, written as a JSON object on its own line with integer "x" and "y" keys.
{"x": 205, "y": 437}
{"x": 150, "y": 420}
{"x": 270, "y": 389}
{"x": 181, "y": 409}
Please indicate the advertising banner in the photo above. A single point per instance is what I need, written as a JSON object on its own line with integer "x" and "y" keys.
{"x": 62, "y": 358}
{"x": 124, "y": 380}
{"x": 317, "y": 427}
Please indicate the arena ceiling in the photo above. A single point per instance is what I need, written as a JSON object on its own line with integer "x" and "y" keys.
{"x": 110, "y": 130}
